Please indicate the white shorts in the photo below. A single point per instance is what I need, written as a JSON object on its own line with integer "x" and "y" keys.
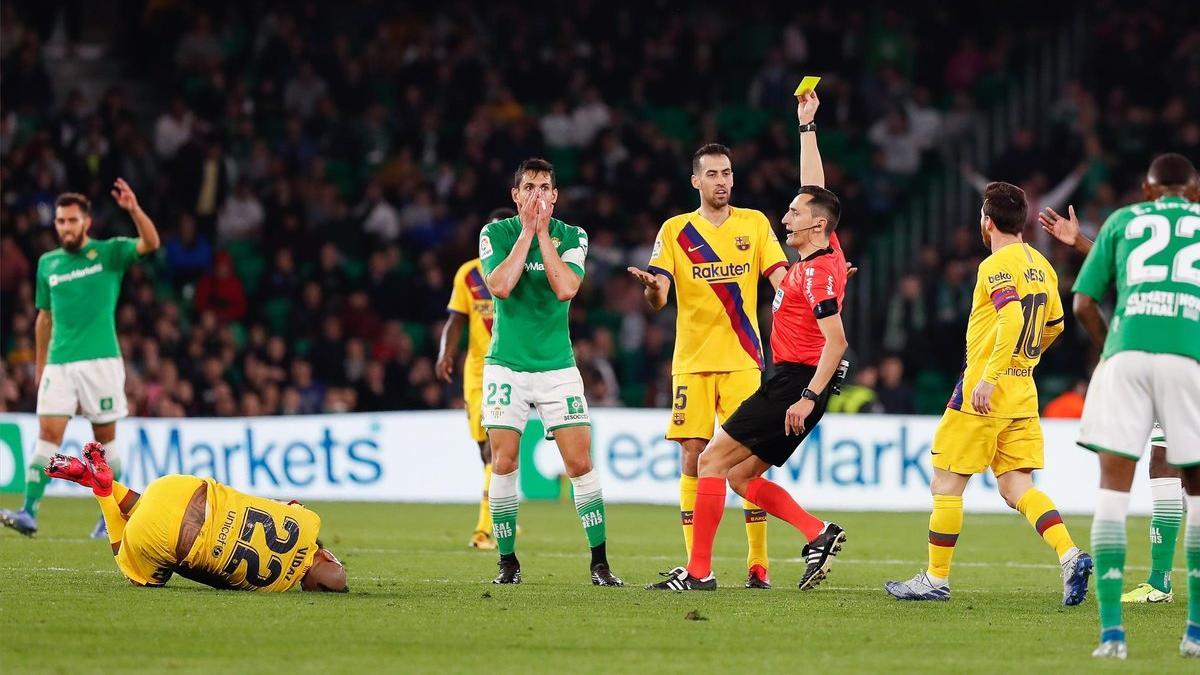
{"x": 509, "y": 394}
{"x": 94, "y": 388}
{"x": 1129, "y": 391}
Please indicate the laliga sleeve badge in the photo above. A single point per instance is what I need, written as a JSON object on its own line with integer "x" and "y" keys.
{"x": 485, "y": 247}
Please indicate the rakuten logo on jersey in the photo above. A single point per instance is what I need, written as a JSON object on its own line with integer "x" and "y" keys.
{"x": 713, "y": 272}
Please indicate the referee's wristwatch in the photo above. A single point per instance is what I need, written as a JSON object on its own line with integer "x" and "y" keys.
{"x": 809, "y": 394}
{"x": 811, "y": 126}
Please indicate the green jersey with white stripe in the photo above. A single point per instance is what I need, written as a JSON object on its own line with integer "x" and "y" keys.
{"x": 1150, "y": 251}
{"x": 80, "y": 290}
{"x": 531, "y": 332}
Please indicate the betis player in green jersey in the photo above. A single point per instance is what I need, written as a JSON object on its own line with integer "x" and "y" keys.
{"x": 533, "y": 265}
{"x": 1149, "y": 369}
{"x": 79, "y": 365}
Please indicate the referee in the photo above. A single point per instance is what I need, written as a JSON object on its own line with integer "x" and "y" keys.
{"x": 807, "y": 345}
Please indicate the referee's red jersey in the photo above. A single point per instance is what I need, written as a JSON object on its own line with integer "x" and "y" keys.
{"x": 814, "y": 288}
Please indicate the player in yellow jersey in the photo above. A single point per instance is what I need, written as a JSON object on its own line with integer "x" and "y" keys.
{"x": 714, "y": 257}
{"x": 205, "y": 531}
{"x": 1016, "y": 314}
{"x": 470, "y": 308}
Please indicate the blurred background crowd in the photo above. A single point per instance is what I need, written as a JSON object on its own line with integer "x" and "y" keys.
{"x": 318, "y": 171}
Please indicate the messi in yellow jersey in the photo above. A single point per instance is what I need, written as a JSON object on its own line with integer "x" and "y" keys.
{"x": 471, "y": 309}
{"x": 205, "y": 531}
{"x": 991, "y": 420}
{"x": 714, "y": 257}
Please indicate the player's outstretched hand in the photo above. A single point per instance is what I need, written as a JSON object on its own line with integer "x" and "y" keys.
{"x": 124, "y": 195}
{"x": 851, "y": 270}
{"x": 981, "y": 397}
{"x": 1065, "y": 230}
{"x": 444, "y": 369}
{"x": 806, "y": 106}
{"x": 646, "y": 279}
{"x": 799, "y": 411}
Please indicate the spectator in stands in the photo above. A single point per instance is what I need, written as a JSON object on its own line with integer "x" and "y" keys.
{"x": 858, "y": 396}
{"x": 896, "y": 396}
{"x": 221, "y": 292}
{"x": 188, "y": 253}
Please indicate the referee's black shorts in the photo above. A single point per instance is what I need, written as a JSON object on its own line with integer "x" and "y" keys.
{"x": 758, "y": 423}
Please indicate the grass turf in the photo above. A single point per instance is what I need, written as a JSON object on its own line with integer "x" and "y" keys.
{"x": 421, "y": 601}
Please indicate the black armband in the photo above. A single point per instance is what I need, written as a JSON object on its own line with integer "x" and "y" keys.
{"x": 826, "y": 308}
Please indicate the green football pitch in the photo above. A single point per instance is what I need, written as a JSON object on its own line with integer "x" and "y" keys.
{"x": 421, "y": 601}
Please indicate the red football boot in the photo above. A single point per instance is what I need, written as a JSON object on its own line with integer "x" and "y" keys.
{"x": 69, "y": 468}
{"x": 102, "y": 473}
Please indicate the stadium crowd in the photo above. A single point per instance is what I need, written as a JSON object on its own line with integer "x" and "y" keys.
{"x": 313, "y": 212}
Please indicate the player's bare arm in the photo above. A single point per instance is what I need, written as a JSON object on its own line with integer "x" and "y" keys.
{"x": 657, "y": 287}
{"x": 148, "y": 240}
{"x": 448, "y": 347}
{"x": 1066, "y": 230}
{"x": 812, "y": 172}
{"x": 563, "y": 281}
{"x": 1087, "y": 312}
{"x": 506, "y": 275}
{"x": 41, "y": 337}
{"x": 831, "y": 355}
{"x": 776, "y": 277}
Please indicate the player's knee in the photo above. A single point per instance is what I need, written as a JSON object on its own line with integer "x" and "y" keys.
{"x": 1159, "y": 468}
{"x": 577, "y": 466}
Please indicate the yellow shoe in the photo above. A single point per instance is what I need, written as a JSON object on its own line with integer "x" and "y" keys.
{"x": 1145, "y": 593}
{"x": 482, "y": 541}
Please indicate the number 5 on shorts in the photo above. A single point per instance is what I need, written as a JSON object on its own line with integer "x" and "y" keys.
{"x": 681, "y": 397}
{"x": 504, "y": 390}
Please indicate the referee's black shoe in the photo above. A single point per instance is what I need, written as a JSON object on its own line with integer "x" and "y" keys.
{"x": 510, "y": 571}
{"x": 678, "y": 579}
{"x": 603, "y": 576}
{"x": 818, "y": 555}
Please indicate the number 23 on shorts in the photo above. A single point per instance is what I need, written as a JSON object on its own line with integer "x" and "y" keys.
{"x": 498, "y": 394}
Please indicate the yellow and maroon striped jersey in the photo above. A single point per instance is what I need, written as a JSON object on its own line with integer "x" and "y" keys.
{"x": 471, "y": 298}
{"x": 715, "y": 272}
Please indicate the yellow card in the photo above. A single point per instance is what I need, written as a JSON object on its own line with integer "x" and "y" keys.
{"x": 808, "y": 84}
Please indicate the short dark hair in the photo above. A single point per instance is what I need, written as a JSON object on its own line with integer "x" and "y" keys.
{"x": 709, "y": 149}
{"x": 825, "y": 203}
{"x": 1171, "y": 170}
{"x": 1006, "y": 205}
{"x": 534, "y": 165}
{"x": 74, "y": 199}
{"x": 501, "y": 213}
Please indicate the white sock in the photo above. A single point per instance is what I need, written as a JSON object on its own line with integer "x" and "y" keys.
{"x": 503, "y": 485}
{"x": 113, "y": 458}
{"x": 1193, "y": 511}
{"x": 1112, "y": 506}
{"x": 42, "y": 453}
{"x": 586, "y": 487}
{"x": 1166, "y": 489}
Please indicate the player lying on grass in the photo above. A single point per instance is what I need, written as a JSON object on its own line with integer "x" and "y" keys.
{"x": 807, "y": 344}
{"x": 1016, "y": 315}
{"x": 205, "y": 531}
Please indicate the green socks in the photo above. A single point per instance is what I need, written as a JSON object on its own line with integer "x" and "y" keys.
{"x": 1192, "y": 548}
{"x": 589, "y": 503}
{"x": 1164, "y": 530}
{"x": 503, "y": 501}
{"x": 1108, "y": 548}
{"x": 36, "y": 478}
